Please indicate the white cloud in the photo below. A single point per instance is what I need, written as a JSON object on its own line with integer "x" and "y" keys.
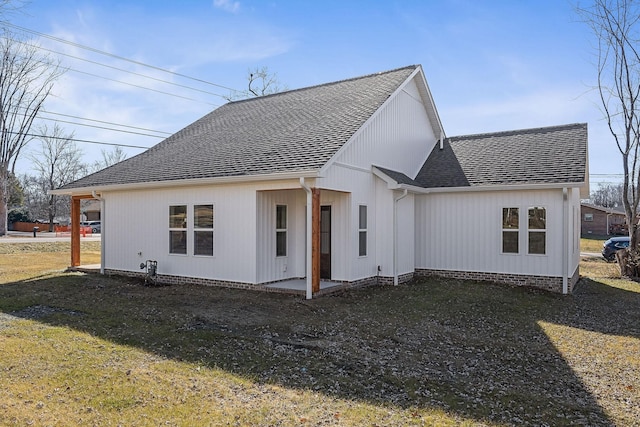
{"x": 227, "y": 5}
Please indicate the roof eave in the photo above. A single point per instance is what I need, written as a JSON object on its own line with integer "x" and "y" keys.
{"x": 186, "y": 182}
{"x": 499, "y": 187}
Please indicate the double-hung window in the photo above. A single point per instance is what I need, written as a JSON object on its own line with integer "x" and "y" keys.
{"x": 537, "y": 230}
{"x": 281, "y": 230}
{"x": 203, "y": 230}
{"x": 510, "y": 230}
{"x": 362, "y": 230}
{"x": 178, "y": 229}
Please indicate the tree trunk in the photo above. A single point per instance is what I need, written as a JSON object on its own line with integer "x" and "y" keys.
{"x": 628, "y": 263}
{"x": 4, "y": 198}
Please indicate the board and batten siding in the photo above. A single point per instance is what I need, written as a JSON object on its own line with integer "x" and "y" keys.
{"x": 463, "y": 232}
{"x": 137, "y": 229}
{"x": 397, "y": 137}
{"x": 405, "y": 223}
{"x": 269, "y": 266}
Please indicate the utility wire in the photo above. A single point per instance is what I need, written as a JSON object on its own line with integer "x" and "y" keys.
{"x": 123, "y": 70}
{"x": 82, "y": 140}
{"x": 101, "y": 127}
{"x": 142, "y": 87}
{"x": 104, "y": 122}
{"x": 26, "y": 30}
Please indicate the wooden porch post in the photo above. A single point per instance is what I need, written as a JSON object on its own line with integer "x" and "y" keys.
{"x": 315, "y": 240}
{"x": 75, "y": 231}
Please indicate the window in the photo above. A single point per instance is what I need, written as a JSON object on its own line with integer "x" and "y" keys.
{"x": 203, "y": 230}
{"x": 510, "y": 230}
{"x": 281, "y": 230}
{"x": 588, "y": 217}
{"x": 362, "y": 231}
{"x": 537, "y": 230}
{"x": 178, "y": 229}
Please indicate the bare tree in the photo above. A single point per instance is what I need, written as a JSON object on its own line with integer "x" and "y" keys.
{"x": 109, "y": 158}
{"x": 608, "y": 195}
{"x": 26, "y": 80}
{"x": 260, "y": 82}
{"x": 616, "y": 25}
{"x": 58, "y": 162}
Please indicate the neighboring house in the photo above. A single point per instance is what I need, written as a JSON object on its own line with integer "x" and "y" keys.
{"x": 598, "y": 221}
{"x": 91, "y": 210}
{"x": 353, "y": 182}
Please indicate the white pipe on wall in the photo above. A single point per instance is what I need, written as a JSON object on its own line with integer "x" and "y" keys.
{"x": 309, "y": 237}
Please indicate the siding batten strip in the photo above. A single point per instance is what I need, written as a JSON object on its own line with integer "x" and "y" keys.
{"x": 565, "y": 241}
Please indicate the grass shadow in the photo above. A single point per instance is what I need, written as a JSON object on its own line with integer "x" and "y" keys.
{"x": 477, "y": 350}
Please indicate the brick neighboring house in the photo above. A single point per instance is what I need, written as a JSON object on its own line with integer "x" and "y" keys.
{"x": 598, "y": 221}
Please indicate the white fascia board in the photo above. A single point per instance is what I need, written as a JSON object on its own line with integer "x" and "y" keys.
{"x": 375, "y": 114}
{"x": 187, "y": 182}
{"x": 503, "y": 187}
{"x": 391, "y": 183}
{"x": 431, "y": 103}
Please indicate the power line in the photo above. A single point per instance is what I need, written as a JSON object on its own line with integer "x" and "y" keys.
{"x": 101, "y": 127}
{"x": 26, "y": 30}
{"x": 105, "y": 122}
{"x": 81, "y": 140}
{"x": 123, "y": 70}
{"x": 142, "y": 87}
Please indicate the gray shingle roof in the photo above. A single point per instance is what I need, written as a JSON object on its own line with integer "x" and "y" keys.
{"x": 298, "y": 130}
{"x": 547, "y": 155}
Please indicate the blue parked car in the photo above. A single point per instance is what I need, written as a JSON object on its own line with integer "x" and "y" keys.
{"x": 613, "y": 245}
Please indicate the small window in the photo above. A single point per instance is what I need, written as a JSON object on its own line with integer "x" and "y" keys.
{"x": 537, "y": 230}
{"x": 281, "y": 230}
{"x": 178, "y": 229}
{"x": 362, "y": 231}
{"x": 588, "y": 217}
{"x": 203, "y": 230}
{"x": 510, "y": 230}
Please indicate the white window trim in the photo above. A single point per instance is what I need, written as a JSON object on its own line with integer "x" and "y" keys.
{"x": 538, "y": 230}
{"x": 282, "y": 230}
{"x": 513, "y": 230}
{"x": 363, "y": 230}
{"x": 212, "y": 229}
{"x": 185, "y": 229}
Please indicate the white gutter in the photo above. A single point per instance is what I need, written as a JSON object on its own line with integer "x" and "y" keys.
{"x": 187, "y": 182}
{"x": 102, "y": 215}
{"x": 393, "y": 185}
{"x": 309, "y": 237}
{"x": 565, "y": 241}
{"x": 395, "y": 235}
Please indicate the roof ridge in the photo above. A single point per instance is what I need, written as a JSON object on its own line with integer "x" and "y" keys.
{"x": 517, "y": 131}
{"x": 414, "y": 66}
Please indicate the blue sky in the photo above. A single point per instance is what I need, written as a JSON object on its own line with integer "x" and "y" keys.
{"x": 491, "y": 65}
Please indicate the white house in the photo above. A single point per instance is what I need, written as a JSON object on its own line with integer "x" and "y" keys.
{"x": 350, "y": 183}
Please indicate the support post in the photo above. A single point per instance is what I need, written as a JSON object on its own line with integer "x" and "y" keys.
{"x": 315, "y": 240}
{"x": 75, "y": 231}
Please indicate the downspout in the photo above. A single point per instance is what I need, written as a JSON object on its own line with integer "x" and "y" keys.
{"x": 102, "y": 215}
{"x": 306, "y": 188}
{"x": 565, "y": 241}
{"x": 395, "y": 235}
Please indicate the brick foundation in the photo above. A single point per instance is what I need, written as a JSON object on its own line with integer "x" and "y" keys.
{"x": 551, "y": 284}
{"x": 182, "y": 280}
{"x": 547, "y": 283}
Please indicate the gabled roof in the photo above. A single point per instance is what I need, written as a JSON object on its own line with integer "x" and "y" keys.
{"x": 550, "y": 155}
{"x": 294, "y": 131}
{"x": 616, "y": 210}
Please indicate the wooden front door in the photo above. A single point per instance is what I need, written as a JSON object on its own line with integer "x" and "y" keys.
{"x": 325, "y": 242}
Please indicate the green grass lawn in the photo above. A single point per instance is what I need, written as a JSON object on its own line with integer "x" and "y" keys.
{"x": 91, "y": 350}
